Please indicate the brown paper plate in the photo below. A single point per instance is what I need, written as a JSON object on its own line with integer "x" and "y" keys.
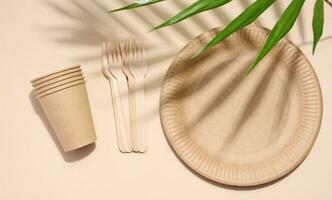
{"x": 236, "y": 129}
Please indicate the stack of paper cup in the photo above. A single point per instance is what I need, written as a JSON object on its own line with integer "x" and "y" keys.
{"x": 63, "y": 97}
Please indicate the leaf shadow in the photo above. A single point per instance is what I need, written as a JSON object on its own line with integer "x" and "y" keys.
{"x": 258, "y": 94}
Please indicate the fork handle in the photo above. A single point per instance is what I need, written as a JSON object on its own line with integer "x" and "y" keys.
{"x": 115, "y": 112}
{"x": 124, "y": 98}
{"x": 142, "y": 139}
{"x": 132, "y": 111}
{"x": 120, "y": 121}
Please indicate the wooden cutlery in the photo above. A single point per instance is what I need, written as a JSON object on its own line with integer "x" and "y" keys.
{"x": 126, "y": 71}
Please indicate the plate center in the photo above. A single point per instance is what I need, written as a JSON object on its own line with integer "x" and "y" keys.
{"x": 237, "y": 118}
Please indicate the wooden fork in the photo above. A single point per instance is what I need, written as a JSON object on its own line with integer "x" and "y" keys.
{"x": 111, "y": 67}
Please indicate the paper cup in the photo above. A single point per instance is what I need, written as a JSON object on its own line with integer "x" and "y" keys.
{"x": 56, "y": 74}
{"x": 67, "y": 109}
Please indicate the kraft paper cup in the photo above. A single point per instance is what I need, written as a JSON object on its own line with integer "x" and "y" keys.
{"x": 67, "y": 109}
{"x": 56, "y": 74}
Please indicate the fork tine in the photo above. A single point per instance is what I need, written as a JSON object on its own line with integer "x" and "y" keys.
{"x": 113, "y": 52}
{"x": 140, "y": 51}
{"x": 132, "y": 50}
{"x": 143, "y": 52}
{"x": 116, "y": 52}
{"x": 124, "y": 51}
{"x": 109, "y": 56}
{"x": 104, "y": 60}
{"x": 119, "y": 53}
{"x": 110, "y": 51}
{"x": 137, "y": 45}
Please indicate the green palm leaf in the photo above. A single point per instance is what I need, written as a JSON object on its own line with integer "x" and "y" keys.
{"x": 250, "y": 14}
{"x": 318, "y": 23}
{"x": 137, "y": 5}
{"x": 244, "y": 19}
{"x": 282, "y": 27}
{"x": 195, "y": 8}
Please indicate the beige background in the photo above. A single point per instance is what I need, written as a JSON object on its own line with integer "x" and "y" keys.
{"x": 42, "y": 35}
